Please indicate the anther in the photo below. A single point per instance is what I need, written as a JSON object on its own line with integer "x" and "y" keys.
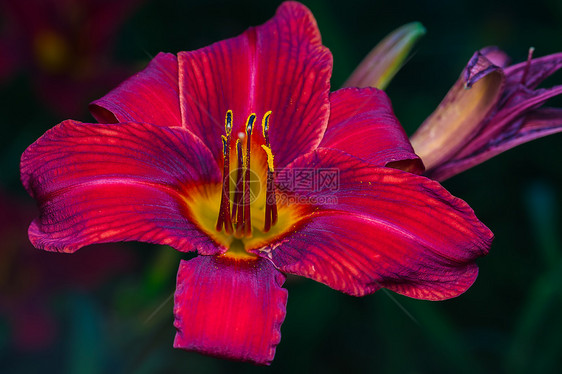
{"x": 265, "y": 127}
{"x": 250, "y": 124}
{"x": 228, "y": 122}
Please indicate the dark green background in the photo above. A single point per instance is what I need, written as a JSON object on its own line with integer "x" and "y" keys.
{"x": 507, "y": 322}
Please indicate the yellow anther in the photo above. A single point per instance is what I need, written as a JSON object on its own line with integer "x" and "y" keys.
{"x": 250, "y": 124}
{"x": 269, "y": 157}
{"x": 265, "y": 124}
{"x": 228, "y": 122}
{"x": 224, "y": 144}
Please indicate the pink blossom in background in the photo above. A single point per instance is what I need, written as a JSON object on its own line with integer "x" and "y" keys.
{"x": 65, "y": 46}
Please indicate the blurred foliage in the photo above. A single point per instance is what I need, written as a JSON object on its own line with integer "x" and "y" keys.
{"x": 507, "y": 322}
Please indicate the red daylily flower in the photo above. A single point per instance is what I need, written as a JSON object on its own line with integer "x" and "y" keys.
{"x": 490, "y": 109}
{"x": 180, "y": 158}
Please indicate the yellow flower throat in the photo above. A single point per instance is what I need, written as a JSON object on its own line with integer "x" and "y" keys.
{"x": 249, "y": 216}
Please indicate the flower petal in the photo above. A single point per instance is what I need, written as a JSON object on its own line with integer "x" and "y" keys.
{"x": 496, "y": 56}
{"x": 363, "y": 124}
{"x": 537, "y": 124}
{"x": 151, "y": 96}
{"x": 382, "y": 228}
{"x": 515, "y": 119}
{"x": 506, "y": 122}
{"x": 280, "y": 66}
{"x": 229, "y": 308}
{"x": 386, "y": 59}
{"x": 98, "y": 183}
{"x": 460, "y": 115}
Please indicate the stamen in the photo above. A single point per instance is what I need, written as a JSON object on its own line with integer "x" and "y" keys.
{"x": 238, "y": 220}
{"x": 224, "y": 210}
{"x": 237, "y": 212}
{"x": 271, "y": 197}
{"x": 247, "y": 217}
